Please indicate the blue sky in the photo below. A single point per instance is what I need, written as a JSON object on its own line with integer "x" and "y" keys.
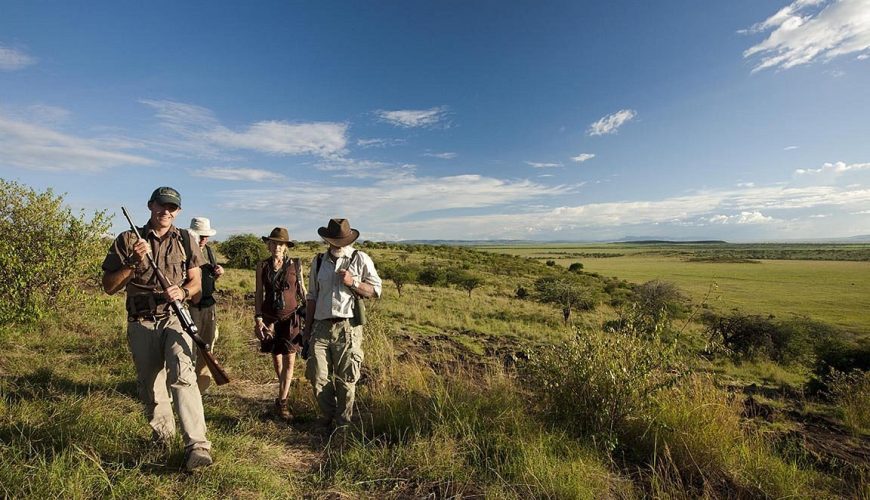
{"x": 744, "y": 120}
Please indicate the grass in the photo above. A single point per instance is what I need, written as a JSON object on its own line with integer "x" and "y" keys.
{"x": 438, "y": 414}
{"x": 833, "y": 291}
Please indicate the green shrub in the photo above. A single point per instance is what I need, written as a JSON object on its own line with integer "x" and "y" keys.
{"x": 747, "y": 336}
{"x": 850, "y": 392}
{"x": 399, "y": 274}
{"x": 568, "y": 291}
{"x": 576, "y": 267}
{"x": 243, "y": 251}
{"x": 45, "y": 251}
{"x": 594, "y": 383}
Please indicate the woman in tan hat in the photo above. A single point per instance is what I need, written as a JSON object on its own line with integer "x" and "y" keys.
{"x": 278, "y": 295}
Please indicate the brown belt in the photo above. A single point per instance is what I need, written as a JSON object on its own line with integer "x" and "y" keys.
{"x": 148, "y": 317}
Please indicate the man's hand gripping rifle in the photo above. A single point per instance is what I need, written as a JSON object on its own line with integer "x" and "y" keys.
{"x": 217, "y": 372}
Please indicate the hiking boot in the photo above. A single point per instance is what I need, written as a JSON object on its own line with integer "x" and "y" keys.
{"x": 196, "y": 458}
{"x": 282, "y": 410}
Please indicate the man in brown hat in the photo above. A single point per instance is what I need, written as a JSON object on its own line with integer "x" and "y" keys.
{"x": 337, "y": 280}
{"x": 202, "y": 307}
{"x": 162, "y": 353}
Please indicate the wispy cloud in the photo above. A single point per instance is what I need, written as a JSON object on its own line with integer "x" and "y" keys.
{"x": 833, "y": 168}
{"x": 378, "y": 143}
{"x": 809, "y": 30}
{"x": 13, "y": 59}
{"x": 412, "y": 118}
{"x": 238, "y": 174}
{"x": 444, "y": 156}
{"x": 395, "y": 198}
{"x": 611, "y": 123}
{"x": 202, "y": 133}
{"x": 789, "y": 148}
{"x": 583, "y": 157}
{"x": 37, "y": 147}
{"x": 536, "y": 164}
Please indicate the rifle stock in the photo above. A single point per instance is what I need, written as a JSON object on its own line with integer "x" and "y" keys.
{"x": 217, "y": 371}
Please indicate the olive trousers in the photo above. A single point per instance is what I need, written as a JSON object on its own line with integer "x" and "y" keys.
{"x": 164, "y": 359}
{"x": 205, "y": 320}
{"x": 334, "y": 364}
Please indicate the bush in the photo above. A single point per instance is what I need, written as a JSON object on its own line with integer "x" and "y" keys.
{"x": 850, "y": 392}
{"x": 749, "y": 336}
{"x": 243, "y": 251}
{"x": 575, "y": 267}
{"x": 594, "y": 383}
{"x": 45, "y": 251}
{"x": 551, "y": 263}
{"x": 522, "y": 293}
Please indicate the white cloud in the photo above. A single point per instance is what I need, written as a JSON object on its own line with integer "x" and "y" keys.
{"x": 535, "y": 164}
{"x": 746, "y": 184}
{"x": 444, "y": 156}
{"x": 32, "y": 146}
{"x": 611, "y": 123}
{"x": 278, "y": 137}
{"x": 411, "y": 118}
{"x": 13, "y": 59}
{"x": 804, "y": 32}
{"x": 583, "y": 157}
{"x": 833, "y": 168}
{"x": 861, "y": 57}
{"x": 203, "y": 134}
{"x": 754, "y": 217}
{"x": 789, "y": 148}
{"x": 238, "y": 174}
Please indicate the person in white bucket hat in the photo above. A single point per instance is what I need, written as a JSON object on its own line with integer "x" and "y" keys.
{"x": 202, "y": 309}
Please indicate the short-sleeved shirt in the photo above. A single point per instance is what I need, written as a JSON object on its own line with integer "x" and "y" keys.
{"x": 143, "y": 290}
{"x": 334, "y": 299}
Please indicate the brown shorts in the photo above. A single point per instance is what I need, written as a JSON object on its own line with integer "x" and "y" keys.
{"x": 286, "y": 337}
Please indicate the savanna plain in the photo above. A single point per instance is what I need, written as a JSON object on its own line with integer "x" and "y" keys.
{"x": 499, "y": 371}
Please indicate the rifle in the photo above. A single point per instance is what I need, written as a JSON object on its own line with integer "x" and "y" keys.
{"x": 217, "y": 372}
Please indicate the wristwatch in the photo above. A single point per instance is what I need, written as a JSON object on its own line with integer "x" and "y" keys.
{"x": 355, "y": 284}
{"x": 186, "y": 293}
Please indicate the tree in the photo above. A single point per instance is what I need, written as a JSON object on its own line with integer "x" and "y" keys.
{"x": 567, "y": 291}
{"x": 432, "y": 275}
{"x": 467, "y": 281}
{"x": 576, "y": 267}
{"x": 45, "y": 251}
{"x": 400, "y": 274}
{"x": 243, "y": 251}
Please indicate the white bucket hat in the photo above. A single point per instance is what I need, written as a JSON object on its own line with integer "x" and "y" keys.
{"x": 201, "y": 226}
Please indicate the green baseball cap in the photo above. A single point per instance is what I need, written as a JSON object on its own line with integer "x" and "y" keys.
{"x": 166, "y": 194}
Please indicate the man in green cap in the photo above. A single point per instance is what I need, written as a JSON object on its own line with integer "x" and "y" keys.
{"x": 162, "y": 353}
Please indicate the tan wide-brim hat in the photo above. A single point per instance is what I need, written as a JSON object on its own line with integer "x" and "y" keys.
{"x": 338, "y": 232}
{"x": 279, "y": 235}
{"x": 201, "y": 226}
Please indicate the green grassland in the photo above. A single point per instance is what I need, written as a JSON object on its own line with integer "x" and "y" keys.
{"x": 834, "y": 291}
{"x": 446, "y": 407}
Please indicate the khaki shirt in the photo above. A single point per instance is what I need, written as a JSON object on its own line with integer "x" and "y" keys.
{"x": 144, "y": 293}
{"x": 334, "y": 299}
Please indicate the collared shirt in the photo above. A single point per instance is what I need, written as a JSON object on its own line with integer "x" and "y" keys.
{"x": 167, "y": 253}
{"x": 334, "y": 299}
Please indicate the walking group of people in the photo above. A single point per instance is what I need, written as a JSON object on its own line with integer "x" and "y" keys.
{"x": 323, "y": 321}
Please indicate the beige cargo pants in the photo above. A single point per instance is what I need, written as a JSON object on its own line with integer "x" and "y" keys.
{"x": 334, "y": 368}
{"x": 163, "y": 355}
{"x": 205, "y": 320}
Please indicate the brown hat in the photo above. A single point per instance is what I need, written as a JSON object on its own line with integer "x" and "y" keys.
{"x": 279, "y": 235}
{"x": 338, "y": 233}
